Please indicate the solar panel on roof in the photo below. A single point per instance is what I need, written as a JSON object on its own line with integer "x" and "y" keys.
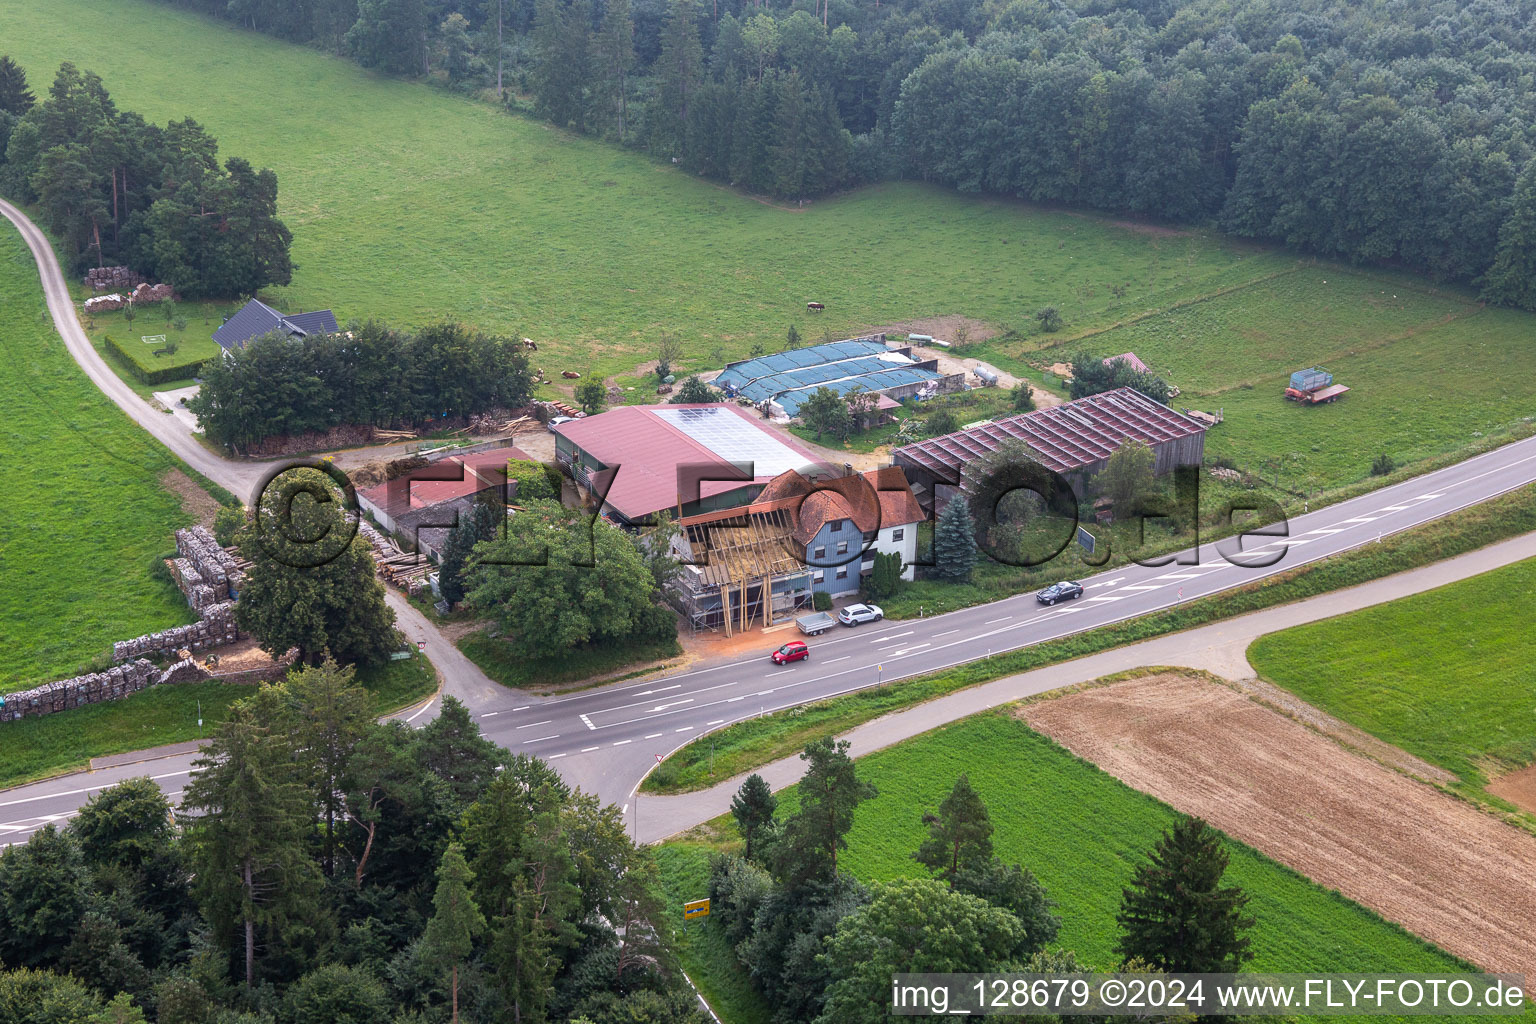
{"x": 735, "y": 439}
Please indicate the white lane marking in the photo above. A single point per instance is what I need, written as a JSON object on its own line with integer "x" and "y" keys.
{"x": 663, "y": 689}
{"x": 490, "y": 714}
{"x": 686, "y": 728}
{"x": 762, "y": 693}
{"x": 1110, "y": 597}
{"x": 893, "y": 636}
{"x": 525, "y": 707}
{"x": 909, "y": 650}
{"x": 945, "y": 633}
{"x": 1392, "y": 508}
{"x": 588, "y": 750}
{"x": 653, "y": 735}
{"x": 424, "y": 709}
{"x": 1327, "y": 532}
{"x": 732, "y": 700}
{"x": 587, "y": 722}
{"x": 715, "y": 722}
{"x": 530, "y": 725}
{"x": 1005, "y": 618}
{"x": 1145, "y": 586}
{"x": 620, "y": 743}
{"x": 833, "y": 661}
{"x": 1362, "y": 519}
{"x": 541, "y": 739}
{"x": 1426, "y": 497}
{"x": 675, "y": 703}
{"x": 1180, "y": 576}
{"x": 1107, "y": 583}
{"x": 551, "y": 757}
{"x": 87, "y": 789}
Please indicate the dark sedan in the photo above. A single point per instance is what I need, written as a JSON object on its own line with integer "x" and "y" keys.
{"x": 1066, "y": 590}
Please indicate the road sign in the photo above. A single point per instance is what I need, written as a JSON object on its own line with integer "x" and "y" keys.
{"x": 695, "y": 908}
{"x": 421, "y": 645}
{"x": 658, "y": 759}
{"x": 1085, "y": 539}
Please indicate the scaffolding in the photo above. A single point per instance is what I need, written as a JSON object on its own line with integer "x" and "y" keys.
{"x": 744, "y": 567}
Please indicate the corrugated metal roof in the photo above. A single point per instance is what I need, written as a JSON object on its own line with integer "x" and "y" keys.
{"x": 1064, "y": 438}
{"x": 738, "y": 375}
{"x": 790, "y": 401}
{"x": 649, "y": 443}
{"x": 477, "y": 471}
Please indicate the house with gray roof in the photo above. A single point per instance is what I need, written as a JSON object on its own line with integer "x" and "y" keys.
{"x": 256, "y": 318}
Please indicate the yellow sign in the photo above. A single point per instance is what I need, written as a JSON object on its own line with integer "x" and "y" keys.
{"x": 697, "y": 908}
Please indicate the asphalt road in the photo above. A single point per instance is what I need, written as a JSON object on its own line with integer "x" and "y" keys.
{"x": 605, "y": 740}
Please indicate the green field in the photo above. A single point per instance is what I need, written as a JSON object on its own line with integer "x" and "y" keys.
{"x": 194, "y": 344}
{"x": 36, "y": 748}
{"x": 83, "y": 518}
{"x": 1082, "y": 832}
{"x": 1446, "y": 675}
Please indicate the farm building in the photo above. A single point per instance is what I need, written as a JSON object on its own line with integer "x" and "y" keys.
{"x": 422, "y": 505}
{"x": 1075, "y": 439}
{"x": 684, "y": 458}
{"x": 256, "y": 318}
{"x": 1131, "y": 360}
{"x": 779, "y": 384}
{"x": 801, "y": 536}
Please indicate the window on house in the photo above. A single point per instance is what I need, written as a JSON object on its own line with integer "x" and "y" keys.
{"x": 842, "y": 547}
{"x": 821, "y": 553}
{"x": 897, "y": 534}
{"x": 818, "y": 577}
{"x": 842, "y": 573}
{"x": 837, "y": 527}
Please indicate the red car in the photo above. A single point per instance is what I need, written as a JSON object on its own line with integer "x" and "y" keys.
{"x": 795, "y": 650}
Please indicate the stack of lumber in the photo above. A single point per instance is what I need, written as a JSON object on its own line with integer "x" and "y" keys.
{"x": 393, "y": 435}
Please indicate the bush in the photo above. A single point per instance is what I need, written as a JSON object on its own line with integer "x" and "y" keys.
{"x": 1049, "y": 319}
{"x": 737, "y": 888}
{"x": 1382, "y": 465}
{"x": 534, "y": 480}
{"x": 227, "y": 522}
{"x": 821, "y": 602}
{"x": 1023, "y": 398}
{"x": 160, "y": 375}
{"x": 942, "y": 422}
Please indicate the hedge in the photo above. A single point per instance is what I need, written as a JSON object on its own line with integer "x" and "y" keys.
{"x": 144, "y": 375}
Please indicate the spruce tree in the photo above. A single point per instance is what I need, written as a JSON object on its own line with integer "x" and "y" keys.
{"x": 15, "y": 97}
{"x": 1176, "y": 916}
{"x": 456, "y": 920}
{"x": 679, "y": 71}
{"x": 615, "y": 48}
{"x": 954, "y": 541}
{"x": 753, "y": 807}
{"x": 960, "y": 835}
{"x": 830, "y": 791}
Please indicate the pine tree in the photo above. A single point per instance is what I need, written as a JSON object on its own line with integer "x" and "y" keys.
{"x": 830, "y": 791}
{"x": 1176, "y": 916}
{"x": 954, "y": 540}
{"x": 616, "y": 54}
{"x": 15, "y": 97}
{"x": 251, "y": 829}
{"x": 329, "y": 714}
{"x": 960, "y": 835}
{"x": 679, "y": 71}
{"x": 456, "y": 919}
{"x": 1511, "y": 281}
{"x": 753, "y": 807}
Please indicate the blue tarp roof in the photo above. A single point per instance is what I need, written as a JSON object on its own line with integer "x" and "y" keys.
{"x": 791, "y": 401}
{"x": 738, "y": 374}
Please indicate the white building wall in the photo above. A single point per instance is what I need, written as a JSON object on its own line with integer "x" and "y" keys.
{"x": 887, "y": 544}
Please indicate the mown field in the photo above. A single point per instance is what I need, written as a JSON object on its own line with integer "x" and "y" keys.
{"x": 36, "y": 748}
{"x": 1082, "y": 832}
{"x": 83, "y": 518}
{"x": 1446, "y": 675}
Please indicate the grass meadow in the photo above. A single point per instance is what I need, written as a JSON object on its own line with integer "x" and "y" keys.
{"x": 1454, "y": 684}
{"x": 409, "y": 204}
{"x": 36, "y": 748}
{"x": 83, "y": 518}
{"x": 1082, "y": 833}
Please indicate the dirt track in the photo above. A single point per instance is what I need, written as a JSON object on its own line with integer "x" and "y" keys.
{"x": 1440, "y": 868}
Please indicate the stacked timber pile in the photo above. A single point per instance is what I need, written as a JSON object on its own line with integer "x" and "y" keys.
{"x": 147, "y": 293}
{"x": 101, "y": 278}
{"x": 214, "y": 629}
{"x": 406, "y": 570}
{"x": 105, "y": 303}
{"x": 94, "y": 687}
{"x": 393, "y": 435}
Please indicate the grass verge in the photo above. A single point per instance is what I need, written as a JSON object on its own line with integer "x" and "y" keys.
{"x": 36, "y": 748}
{"x": 589, "y": 666}
{"x": 1081, "y": 831}
{"x": 750, "y": 744}
{"x": 1445, "y": 675}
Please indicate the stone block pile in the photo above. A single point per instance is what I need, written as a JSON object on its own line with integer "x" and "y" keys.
{"x": 115, "y": 683}
{"x": 102, "y": 278}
